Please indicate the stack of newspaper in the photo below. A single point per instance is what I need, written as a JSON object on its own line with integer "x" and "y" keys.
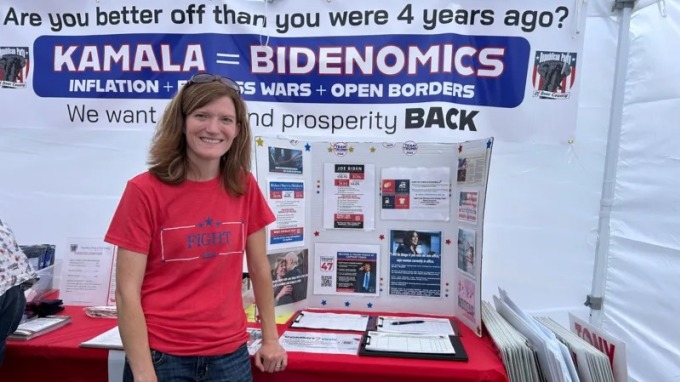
{"x": 518, "y": 356}
{"x": 593, "y": 365}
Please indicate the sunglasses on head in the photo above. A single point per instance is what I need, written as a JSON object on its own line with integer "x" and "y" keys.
{"x": 203, "y": 78}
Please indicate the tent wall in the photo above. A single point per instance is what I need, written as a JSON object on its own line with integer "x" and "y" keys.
{"x": 542, "y": 210}
{"x": 643, "y": 272}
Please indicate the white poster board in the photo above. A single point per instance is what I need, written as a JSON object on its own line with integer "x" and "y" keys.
{"x": 409, "y": 242}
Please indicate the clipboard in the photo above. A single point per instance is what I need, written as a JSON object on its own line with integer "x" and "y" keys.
{"x": 376, "y": 324}
{"x": 460, "y": 353}
{"x": 295, "y": 323}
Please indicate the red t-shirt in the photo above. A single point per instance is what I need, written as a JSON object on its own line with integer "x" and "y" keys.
{"x": 194, "y": 235}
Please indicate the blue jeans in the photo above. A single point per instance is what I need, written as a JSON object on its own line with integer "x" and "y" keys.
{"x": 12, "y": 306}
{"x": 234, "y": 367}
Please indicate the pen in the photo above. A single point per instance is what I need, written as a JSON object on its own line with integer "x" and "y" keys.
{"x": 408, "y": 322}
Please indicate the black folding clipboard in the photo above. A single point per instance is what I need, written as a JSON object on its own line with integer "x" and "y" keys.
{"x": 460, "y": 355}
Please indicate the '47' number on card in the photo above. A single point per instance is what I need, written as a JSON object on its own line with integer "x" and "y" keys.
{"x": 327, "y": 264}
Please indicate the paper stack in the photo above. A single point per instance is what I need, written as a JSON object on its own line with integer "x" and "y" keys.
{"x": 553, "y": 356}
{"x": 38, "y": 326}
{"x": 110, "y": 339}
{"x": 592, "y": 364}
{"x": 518, "y": 356}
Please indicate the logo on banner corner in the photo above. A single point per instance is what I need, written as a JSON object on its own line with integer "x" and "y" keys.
{"x": 554, "y": 74}
{"x": 15, "y": 65}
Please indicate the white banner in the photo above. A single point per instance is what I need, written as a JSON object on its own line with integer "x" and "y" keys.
{"x": 456, "y": 70}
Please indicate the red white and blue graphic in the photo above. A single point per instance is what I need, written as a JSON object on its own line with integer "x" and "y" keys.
{"x": 287, "y": 198}
{"x": 15, "y": 65}
{"x": 381, "y": 69}
{"x": 554, "y": 74}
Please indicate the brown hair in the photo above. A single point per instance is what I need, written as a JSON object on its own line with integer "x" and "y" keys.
{"x": 168, "y": 154}
{"x": 408, "y": 235}
{"x": 277, "y": 265}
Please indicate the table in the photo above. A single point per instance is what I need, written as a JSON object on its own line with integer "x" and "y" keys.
{"x": 57, "y": 356}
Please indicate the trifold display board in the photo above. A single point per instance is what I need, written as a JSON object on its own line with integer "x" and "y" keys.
{"x": 384, "y": 227}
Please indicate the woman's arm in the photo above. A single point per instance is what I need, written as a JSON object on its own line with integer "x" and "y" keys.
{"x": 271, "y": 353}
{"x": 130, "y": 267}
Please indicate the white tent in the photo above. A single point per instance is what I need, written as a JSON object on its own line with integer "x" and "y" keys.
{"x": 543, "y": 202}
{"x": 557, "y": 194}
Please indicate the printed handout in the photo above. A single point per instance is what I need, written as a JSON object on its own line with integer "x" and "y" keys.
{"x": 409, "y": 343}
{"x": 287, "y": 200}
{"x": 326, "y": 343}
{"x": 415, "y": 325}
{"x": 110, "y": 339}
{"x": 346, "y": 269}
{"x": 466, "y": 251}
{"x": 467, "y": 206}
{"x": 254, "y": 340}
{"x": 349, "y": 196}
{"x": 415, "y": 263}
{"x": 466, "y": 298}
{"x": 289, "y": 276}
{"x": 415, "y": 193}
{"x": 87, "y": 276}
{"x": 283, "y": 160}
{"x": 472, "y": 167}
{"x": 330, "y": 321}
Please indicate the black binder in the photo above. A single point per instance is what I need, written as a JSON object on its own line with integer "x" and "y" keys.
{"x": 460, "y": 355}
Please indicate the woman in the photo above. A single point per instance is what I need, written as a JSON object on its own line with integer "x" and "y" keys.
{"x": 181, "y": 229}
{"x": 282, "y": 292}
{"x": 409, "y": 244}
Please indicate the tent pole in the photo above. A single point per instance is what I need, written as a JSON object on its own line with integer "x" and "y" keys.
{"x": 595, "y": 299}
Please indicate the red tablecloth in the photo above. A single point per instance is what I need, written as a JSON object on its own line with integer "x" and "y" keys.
{"x": 57, "y": 356}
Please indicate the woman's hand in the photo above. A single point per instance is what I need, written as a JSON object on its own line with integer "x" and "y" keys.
{"x": 271, "y": 357}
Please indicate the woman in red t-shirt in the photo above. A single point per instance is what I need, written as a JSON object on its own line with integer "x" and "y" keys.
{"x": 182, "y": 230}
